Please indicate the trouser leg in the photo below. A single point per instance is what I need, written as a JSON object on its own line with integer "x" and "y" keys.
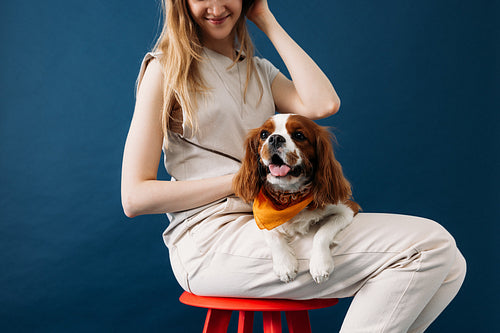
{"x": 408, "y": 294}
{"x": 401, "y": 270}
{"x": 445, "y": 294}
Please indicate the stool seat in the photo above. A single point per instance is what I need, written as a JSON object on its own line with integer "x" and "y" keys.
{"x": 220, "y": 309}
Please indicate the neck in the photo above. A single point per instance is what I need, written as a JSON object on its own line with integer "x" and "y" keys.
{"x": 282, "y": 199}
{"x": 224, "y": 47}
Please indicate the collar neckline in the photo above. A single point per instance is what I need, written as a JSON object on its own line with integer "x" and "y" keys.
{"x": 214, "y": 54}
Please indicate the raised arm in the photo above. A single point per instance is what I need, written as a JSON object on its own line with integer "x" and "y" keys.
{"x": 141, "y": 192}
{"x": 310, "y": 93}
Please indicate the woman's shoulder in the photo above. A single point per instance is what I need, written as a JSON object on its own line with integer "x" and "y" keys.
{"x": 266, "y": 67}
{"x": 151, "y": 56}
{"x": 260, "y": 60}
{"x": 151, "y": 63}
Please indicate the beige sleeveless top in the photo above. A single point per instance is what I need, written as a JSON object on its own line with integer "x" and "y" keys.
{"x": 223, "y": 119}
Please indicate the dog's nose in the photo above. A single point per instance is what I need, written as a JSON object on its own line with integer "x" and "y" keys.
{"x": 276, "y": 140}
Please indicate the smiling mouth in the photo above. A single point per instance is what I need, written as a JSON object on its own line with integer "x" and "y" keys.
{"x": 217, "y": 20}
{"x": 278, "y": 168}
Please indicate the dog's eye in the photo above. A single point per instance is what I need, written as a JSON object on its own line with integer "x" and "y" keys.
{"x": 299, "y": 136}
{"x": 264, "y": 134}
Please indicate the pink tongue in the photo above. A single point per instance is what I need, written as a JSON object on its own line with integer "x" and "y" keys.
{"x": 279, "y": 170}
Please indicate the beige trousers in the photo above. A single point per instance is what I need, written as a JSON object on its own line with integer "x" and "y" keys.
{"x": 402, "y": 271}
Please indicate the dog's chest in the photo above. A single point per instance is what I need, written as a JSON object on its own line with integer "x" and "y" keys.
{"x": 299, "y": 225}
{"x": 302, "y": 222}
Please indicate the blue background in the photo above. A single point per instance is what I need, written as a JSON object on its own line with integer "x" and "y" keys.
{"x": 417, "y": 131}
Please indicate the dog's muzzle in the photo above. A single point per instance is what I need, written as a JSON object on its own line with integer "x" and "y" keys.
{"x": 276, "y": 141}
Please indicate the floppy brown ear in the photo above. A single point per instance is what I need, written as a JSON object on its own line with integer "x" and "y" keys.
{"x": 330, "y": 185}
{"x": 247, "y": 182}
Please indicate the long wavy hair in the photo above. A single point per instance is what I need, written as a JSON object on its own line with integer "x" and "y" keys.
{"x": 182, "y": 51}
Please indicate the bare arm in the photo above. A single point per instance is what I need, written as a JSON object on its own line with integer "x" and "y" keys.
{"x": 310, "y": 93}
{"x": 141, "y": 192}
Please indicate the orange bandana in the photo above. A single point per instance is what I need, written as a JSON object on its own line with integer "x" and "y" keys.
{"x": 268, "y": 216}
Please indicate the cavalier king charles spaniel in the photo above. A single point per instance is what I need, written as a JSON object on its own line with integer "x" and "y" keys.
{"x": 291, "y": 174}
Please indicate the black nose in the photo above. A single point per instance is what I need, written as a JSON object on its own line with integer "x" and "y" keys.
{"x": 276, "y": 140}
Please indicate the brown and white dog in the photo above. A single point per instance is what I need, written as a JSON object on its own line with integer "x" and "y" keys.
{"x": 289, "y": 160}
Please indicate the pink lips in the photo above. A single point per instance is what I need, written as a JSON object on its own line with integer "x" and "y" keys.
{"x": 217, "y": 20}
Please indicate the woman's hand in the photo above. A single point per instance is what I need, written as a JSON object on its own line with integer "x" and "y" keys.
{"x": 259, "y": 12}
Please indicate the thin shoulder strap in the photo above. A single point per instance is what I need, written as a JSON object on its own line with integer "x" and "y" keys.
{"x": 211, "y": 150}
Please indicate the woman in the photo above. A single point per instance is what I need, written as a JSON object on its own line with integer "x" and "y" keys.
{"x": 198, "y": 93}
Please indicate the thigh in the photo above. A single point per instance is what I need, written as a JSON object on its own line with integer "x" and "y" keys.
{"x": 228, "y": 256}
{"x": 237, "y": 234}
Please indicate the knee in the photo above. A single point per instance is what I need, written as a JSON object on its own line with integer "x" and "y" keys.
{"x": 453, "y": 266}
{"x": 442, "y": 247}
{"x": 459, "y": 270}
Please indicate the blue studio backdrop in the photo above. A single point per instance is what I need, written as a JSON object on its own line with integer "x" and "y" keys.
{"x": 417, "y": 131}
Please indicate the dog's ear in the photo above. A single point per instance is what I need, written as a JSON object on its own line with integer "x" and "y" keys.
{"x": 247, "y": 182}
{"x": 330, "y": 185}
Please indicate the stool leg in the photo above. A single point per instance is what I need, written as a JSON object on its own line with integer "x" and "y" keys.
{"x": 245, "y": 322}
{"x": 217, "y": 321}
{"x": 298, "y": 321}
{"x": 272, "y": 321}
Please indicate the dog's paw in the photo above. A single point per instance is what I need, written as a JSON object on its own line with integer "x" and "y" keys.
{"x": 321, "y": 267}
{"x": 287, "y": 276}
{"x": 321, "y": 278}
{"x": 286, "y": 268}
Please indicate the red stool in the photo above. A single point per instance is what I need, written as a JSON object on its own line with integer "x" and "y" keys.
{"x": 220, "y": 309}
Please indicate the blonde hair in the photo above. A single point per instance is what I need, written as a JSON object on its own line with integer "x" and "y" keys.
{"x": 181, "y": 48}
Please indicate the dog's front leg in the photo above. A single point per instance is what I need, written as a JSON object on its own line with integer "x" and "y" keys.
{"x": 285, "y": 264}
{"x": 321, "y": 261}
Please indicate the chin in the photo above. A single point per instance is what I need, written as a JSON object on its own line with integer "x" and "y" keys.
{"x": 290, "y": 169}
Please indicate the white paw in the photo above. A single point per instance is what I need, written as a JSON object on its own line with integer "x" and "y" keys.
{"x": 320, "y": 267}
{"x": 286, "y": 268}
